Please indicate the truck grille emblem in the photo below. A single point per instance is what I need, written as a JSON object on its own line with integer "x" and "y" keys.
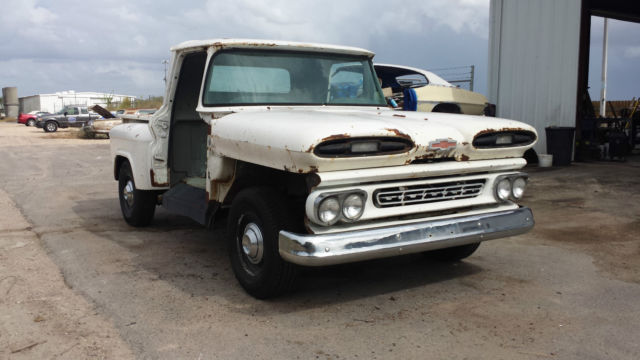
{"x": 442, "y": 144}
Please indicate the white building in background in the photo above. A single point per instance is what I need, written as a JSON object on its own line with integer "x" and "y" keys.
{"x": 54, "y": 102}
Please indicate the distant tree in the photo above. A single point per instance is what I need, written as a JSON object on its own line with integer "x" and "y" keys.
{"x": 126, "y": 103}
{"x": 108, "y": 99}
{"x": 151, "y": 102}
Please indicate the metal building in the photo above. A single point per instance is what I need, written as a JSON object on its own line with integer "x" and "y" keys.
{"x": 539, "y": 58}
{"x": 54, "y": 102}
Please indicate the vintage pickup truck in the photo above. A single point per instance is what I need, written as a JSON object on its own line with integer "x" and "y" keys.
{"x": 295, "y": 147}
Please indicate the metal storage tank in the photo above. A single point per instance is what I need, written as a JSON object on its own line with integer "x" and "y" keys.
{"x": 10, "y": 98}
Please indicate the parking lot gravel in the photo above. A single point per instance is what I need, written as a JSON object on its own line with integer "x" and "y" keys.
{"x": 77, "y": 282}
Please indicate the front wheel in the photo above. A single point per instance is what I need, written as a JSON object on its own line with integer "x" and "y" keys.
{"x": 451, "y": 254}
{"x": 138, "y": 206}
{"x": 30, "y": 122}
{"x": 50, "y": 126}
{"x": 256, "y": 218}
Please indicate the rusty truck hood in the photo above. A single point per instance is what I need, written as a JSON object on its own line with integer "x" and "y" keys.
{"x": 285, "y": 138}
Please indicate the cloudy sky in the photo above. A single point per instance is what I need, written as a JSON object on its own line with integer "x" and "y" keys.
{"x": 118, "y": 45}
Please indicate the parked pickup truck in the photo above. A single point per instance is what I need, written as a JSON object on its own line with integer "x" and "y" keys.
{"x": 294, "y": 146}
{"x": 69, "y": 116}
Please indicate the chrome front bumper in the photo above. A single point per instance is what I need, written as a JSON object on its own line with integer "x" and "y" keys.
{"x": 352, "y": 246}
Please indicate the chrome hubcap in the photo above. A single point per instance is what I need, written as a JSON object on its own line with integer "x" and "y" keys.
{"x": 127, "y": 193}
{"x": 50, "y": 127}
{"x": 252, "y": 243}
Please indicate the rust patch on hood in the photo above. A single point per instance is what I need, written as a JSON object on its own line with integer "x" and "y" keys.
{"x": 336, "y": 137}
{"x": 399, "y": 115}
{"x": 489, "y": 131}
{"x": 399, "y": 133}
{"x": 153, "y": 180}
{"x": 310, "y": 149}
{"x": 464, "y": 157}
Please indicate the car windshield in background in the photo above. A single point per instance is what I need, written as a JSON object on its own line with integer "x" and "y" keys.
{"x": 249, "y": 77}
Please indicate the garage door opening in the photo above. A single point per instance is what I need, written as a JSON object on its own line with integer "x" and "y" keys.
{"x": 609, "y": 71}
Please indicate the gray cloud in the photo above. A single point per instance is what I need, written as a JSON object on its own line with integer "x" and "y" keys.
{"x": 118, "y": 45}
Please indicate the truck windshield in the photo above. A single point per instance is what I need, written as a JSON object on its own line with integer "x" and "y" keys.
{"x": 258, "y": 77}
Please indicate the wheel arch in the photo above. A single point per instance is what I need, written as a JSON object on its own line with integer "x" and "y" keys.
{"x": 447, "y": 107}
{"x": 293, "y": 187}
{"x": 117, "y": 162}
{"x": 141, "y": 174}
{"x": 248, "y": 175}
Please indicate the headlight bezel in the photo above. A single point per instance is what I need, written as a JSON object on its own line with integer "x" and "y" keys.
{"x": 341, "y": 197}
{"x": 511, "y": 178}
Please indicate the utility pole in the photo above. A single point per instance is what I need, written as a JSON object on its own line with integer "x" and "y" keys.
{"x": 473, "y": 73}
{"x": 165, "y": 62}
{"x": 603, "y": 91}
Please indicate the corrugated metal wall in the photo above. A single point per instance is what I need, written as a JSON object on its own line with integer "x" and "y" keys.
{"x": 533, "y": 61}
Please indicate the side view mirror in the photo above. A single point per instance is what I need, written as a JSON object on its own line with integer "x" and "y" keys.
{"x": 65, "y": 113}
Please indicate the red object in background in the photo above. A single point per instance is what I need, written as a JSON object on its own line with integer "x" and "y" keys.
{"x": 33, "y": 116}
{"x": 23, "y": 118}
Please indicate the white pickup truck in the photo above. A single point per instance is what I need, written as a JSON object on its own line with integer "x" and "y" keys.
{"x": 293, "y": 144}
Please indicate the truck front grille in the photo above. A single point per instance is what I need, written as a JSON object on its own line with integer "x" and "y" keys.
{"x": 427, "y": 193}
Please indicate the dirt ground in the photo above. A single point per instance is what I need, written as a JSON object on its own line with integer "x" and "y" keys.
{"x": 77, "y": 282}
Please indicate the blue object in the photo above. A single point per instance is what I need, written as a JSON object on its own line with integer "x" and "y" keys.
{"x": 410, "y": 100}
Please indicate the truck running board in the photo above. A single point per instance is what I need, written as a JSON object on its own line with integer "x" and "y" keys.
{"x": 188, "y": 201}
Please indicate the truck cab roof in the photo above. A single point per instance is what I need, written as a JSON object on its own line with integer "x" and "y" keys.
{"x": 283, "y": 45}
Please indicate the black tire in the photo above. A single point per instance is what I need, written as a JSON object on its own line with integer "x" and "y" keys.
{"x": 50, "y": 126}
{"x": 30, "y": 122}
{"x": 451, "y": 254}
{"x": 138, "y": 206}
{"x": 259, "y": 268}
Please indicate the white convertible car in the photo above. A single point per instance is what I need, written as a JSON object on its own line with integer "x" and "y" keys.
{"x": 420, "y": 90}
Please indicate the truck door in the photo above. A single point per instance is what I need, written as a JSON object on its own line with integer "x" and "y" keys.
{"x": 83, "y": 118}
{"x": 72, "y": 116}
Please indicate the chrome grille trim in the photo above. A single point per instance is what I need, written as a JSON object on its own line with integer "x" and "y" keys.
{"x": 427, "y": 193}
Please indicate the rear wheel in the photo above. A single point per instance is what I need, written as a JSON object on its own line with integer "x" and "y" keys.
{"x": 138, "y": 206}
{"x": 455, "y": 253}
{"x": 50, "y": 126}
{"x": 256, "y": 218}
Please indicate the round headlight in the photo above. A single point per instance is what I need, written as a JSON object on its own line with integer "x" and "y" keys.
{"x": 518, "y": 187}
{"x": 329, "y": 210}
{"x": 503, "y": 189}
{"x": 352, "y": 207}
